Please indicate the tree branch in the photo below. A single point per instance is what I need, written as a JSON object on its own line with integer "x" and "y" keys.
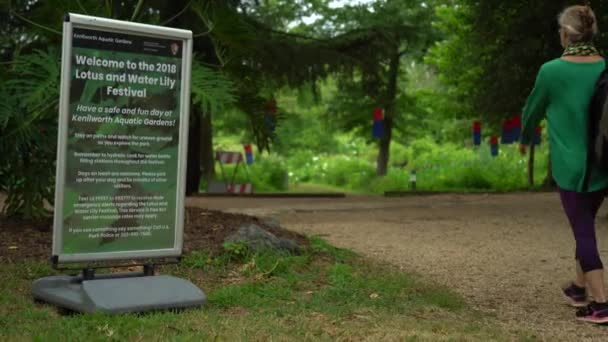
{"x": 202, "y": 33}
{"x": 177, "y": 15}
{"x": 210, "y": 65}
{"x": 205, "y": 21}
{"x": 302, "y": 36}
{"x": 109, "y": 8}
{"x": 82, "y": 7}
{"x": 140, "y": 4}
{"x": 34, "y": 23}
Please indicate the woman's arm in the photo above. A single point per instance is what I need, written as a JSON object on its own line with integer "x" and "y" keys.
{"x": 535, "y": 108}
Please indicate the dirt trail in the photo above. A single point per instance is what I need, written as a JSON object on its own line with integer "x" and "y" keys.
{"x": 507, "y": 254}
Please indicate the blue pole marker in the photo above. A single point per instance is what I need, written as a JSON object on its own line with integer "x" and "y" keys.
{"x": 249, "y": 154}
{"x": 504, "y": 134}
{"x": 476, "y": 133}
{"x": 494, "y": 146}
{"x": 378, "y": 127}
{"x": 507, "y": 133}
{"x": 516, "y": 127}
{"x": 516, "y": 133}
{"x": 476, "y": 138}
{"x": 270, "y": 124}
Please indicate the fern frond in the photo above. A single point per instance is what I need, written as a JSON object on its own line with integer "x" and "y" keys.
{"x": 36, "y": 78}
{"x": 28, "y": 124}
{"x": 211, "y": 89}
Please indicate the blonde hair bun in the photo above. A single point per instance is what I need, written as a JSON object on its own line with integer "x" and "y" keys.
{"x": 579, "y": 22}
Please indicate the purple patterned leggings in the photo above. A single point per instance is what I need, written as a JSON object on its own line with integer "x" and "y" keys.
{"x": 581, "y": 209}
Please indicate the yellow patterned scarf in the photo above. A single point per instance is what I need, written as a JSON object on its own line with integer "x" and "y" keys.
{"x": 581, "y": 49}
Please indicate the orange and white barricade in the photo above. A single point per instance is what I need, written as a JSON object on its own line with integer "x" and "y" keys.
{"x": 236, "y": 158}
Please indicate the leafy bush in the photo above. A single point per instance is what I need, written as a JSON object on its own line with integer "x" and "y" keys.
{"x": 28, "y": 133}
{"x": 469, "y": 177}
{"x": 395, "y": 180}
{"x": 304, "y": 132}
{"x": 267, "y": 173}
{"x": 439, "y": 167}
{"x": 449, "y": 167}
{"x": 337, "y": 170}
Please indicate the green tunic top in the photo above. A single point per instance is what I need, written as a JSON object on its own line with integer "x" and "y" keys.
{"x": 563, "y": 92}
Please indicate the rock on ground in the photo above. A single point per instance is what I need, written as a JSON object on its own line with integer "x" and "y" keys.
{"x": 258, "y": 239}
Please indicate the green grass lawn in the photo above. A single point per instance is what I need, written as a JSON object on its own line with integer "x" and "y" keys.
{"x": 324, "y": 294}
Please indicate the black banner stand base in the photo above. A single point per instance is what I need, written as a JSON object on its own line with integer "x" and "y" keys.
{"x": 118, "y": 293}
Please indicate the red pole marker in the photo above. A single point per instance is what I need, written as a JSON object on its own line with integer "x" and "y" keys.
{"x": 249, "y": 154}
{"x": 378, "y": 127}
{"x": 494, "y": 146}
{"x": 516, "y": 128}
{"x": 476, "y": 133}
{"x": 378, "y": 114}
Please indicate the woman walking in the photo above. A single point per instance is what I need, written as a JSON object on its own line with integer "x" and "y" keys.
{"x": 562, "y": 92}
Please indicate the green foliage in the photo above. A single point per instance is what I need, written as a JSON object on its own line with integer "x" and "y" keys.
{"x": 340, "y": 275}
{"x": 303, "y": 130}
{"x": 211, "y": 90}
{"x": 248, "y": 52}
{"x": 448, "y": 167}
{"x": 267, "y": 174}
{"x": 452, "y": 58}
{"x": 197, "y": 260}
{"x": 241, "y": 56}
{"x": 480, "y": 58}
{"x": 256, "y": 107}
{"x": 395, "y": 30}
{"x": 430, "y": 108}
{"x": 337, "y": 170}
{"x": 339, "y": 255}
{"x": 237, "y": 251}
{"x": 325, "y": 293}
{"x": 441, "y": 165}
{"x": 337, "y": 283}
{"x": 395, "y": 180}
{"x": 203, "y": 260}
{"x": 28, "y": 121}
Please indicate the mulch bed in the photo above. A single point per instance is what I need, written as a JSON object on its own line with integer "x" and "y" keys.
{"x": 205, "y": 230}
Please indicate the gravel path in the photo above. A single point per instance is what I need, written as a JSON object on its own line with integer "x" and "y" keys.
{"x": 507, "y": 254}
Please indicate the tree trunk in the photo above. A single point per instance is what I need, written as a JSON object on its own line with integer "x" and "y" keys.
{"x": 531, "y": 168}
{"x": 389, "y": 115}
{"x": 385, "y": 146}
{"x": 207, "y": 157}
{"x": 193, "y": 170}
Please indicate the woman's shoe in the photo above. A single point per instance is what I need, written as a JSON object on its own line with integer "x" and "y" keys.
{"x": 576, "y": 296}
{"x": 593, "y": 313}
